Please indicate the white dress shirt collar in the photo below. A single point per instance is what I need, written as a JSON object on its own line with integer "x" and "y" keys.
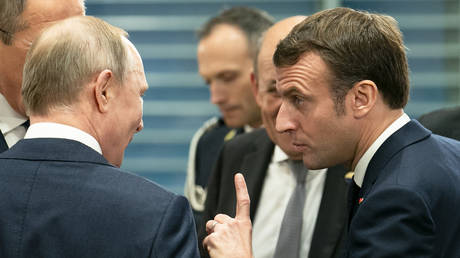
{"x": 55, "y": 130}
{"x": 279, "y": 155}
{"x": 248, "y": 128}
{"x": 361, "y": 166}
{"x": 9, "y": 118}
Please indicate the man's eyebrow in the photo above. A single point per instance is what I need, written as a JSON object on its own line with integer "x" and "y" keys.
{"x": 227, "y": 72}
{"x": 289, "y": 91}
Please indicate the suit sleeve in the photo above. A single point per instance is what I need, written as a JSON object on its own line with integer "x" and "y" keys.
{"x": 394, "y": 222}
{"x": 210, "y": 207}
{"x": 177, "y": 233}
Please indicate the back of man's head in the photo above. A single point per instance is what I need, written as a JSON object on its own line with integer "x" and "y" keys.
{"x": 356, "y": 46}
{"x": 253, "y": 22}
{"x": 65, "y": 57}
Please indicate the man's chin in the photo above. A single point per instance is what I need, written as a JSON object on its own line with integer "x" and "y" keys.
{"x": 233, "y": 123}
{"x": 292, "y": 154}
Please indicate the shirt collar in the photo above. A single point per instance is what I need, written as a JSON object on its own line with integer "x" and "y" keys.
{"x": 55, "y": 130}
{"x": 248, "y": 128}
{"x": 279, "y": 155}
{"x": 9, "y": 118}
{"x": 361, "y": 166}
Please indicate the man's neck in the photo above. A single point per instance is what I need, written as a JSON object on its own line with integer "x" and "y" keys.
{"x": 67, "y": 117}
{"x": 372, "y": 129}
{"x": 12, "y": 97}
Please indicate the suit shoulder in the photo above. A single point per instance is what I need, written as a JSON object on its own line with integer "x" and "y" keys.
{"x": 415, "y": 165}
{"x": 255, "y": 137}
{"x": 213, "y": 130}
{"x": 445, "y": 122}
{"x": 441, "y": 115}
{"x": 130, "y": 186}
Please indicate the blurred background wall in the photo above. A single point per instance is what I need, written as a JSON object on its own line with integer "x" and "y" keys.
{"x": 177, "y": 102}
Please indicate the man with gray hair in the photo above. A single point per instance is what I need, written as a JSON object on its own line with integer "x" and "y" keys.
{"x": 62, "y": 192}
{"x": 21, "y": 21}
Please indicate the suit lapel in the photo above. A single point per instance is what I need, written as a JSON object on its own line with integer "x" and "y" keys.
{"x": 330, "y": 224}
{"x": 254, "y": 167}
{"x": 410, "y": 133}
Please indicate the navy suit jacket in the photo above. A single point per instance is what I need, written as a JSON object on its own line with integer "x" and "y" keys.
{"x": 60, "y": 198}
{"x": 411, "y": 198}
{"x": 250, "y": 154}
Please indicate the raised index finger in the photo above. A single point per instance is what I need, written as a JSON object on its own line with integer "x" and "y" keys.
{"x": 242, "y": 198}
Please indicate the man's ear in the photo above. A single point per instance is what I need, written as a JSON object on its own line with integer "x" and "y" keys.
{"x": 255, "y": 88}
{"x": 101, "y": 86}
{"x": 363, "y": 97}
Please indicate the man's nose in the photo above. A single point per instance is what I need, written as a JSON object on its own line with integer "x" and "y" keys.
{"x": 218, "y": 93}
{"x": 284, "y": 122}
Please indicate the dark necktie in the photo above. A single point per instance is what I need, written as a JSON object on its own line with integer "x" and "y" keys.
{"x": 26, "y": 124}
{"x": 3, "y": 144}
{"x": 353, "y": 199}
{"x": 289, "y": 241}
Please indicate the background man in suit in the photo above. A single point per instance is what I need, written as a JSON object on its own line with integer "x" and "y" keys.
{"x": 342, "y": 102}
{"x": 270, "y": 179}
{"x": 226, "y": 50}
{"x": 20, "y": 23}
{"x": 62, "y": 193}
{"x": 445, "y": 122}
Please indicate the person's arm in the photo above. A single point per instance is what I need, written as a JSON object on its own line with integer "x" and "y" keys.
{"x": 394, "y": 222}
{"x": 231, "y": 237}
{"x": 177, "y": 233}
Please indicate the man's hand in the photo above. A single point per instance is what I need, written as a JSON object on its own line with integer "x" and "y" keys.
{"x": 231, "y": 237}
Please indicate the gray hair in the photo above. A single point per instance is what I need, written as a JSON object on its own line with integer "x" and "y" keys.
{"x": 65, "y": 57}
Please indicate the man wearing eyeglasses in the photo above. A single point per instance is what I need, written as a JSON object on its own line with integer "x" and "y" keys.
{"x": 21, "y": 21}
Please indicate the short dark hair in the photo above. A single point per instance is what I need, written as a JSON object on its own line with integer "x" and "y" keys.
{"x": 10, "y": 19}
{"x": 356, "y": 46}
{"x": 252, "y": 22}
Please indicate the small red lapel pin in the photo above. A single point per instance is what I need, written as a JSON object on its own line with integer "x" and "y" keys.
{"x": 360, "y": 200}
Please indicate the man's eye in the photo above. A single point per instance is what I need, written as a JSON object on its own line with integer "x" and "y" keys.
{"x": 273, "y": 92}
{"x": 297, "y": 100}
{"x": 228, "y": 77}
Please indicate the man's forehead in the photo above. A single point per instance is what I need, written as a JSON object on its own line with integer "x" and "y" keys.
{"x": 284, "y": 76}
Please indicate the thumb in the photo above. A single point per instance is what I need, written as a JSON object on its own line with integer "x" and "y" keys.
{"x": 242, "y": 198}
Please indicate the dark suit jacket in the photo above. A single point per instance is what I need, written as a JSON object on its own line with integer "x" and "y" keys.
{"x": 60, "y": 198}
{"x": 411, "y": 198}
{"x": 207, "y": 150}
{"x": 251, "y": 154}
{"x": 445, "y": 122}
